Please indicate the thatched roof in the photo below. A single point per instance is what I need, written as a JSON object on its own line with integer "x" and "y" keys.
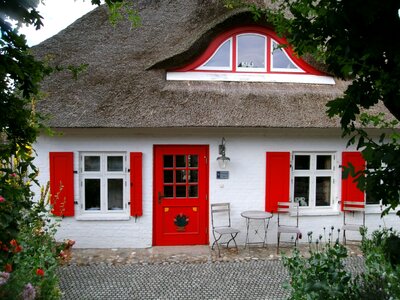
{"x": 125, "y": 83}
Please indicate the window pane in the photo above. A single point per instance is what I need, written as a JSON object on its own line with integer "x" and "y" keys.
{"x": 181, "y": 161}
{"x": 221, "y": 57}
{"x": 168, "y": 176}
{"x": 168, "y": 191}
{"x": 115, "y": 194}
{"x": 180, "y": 176}
{"x": 369, "y": 199}
{"x": 92, "y": 194}
{"x": 115, "y": 163}
{"x": 251, "y": 51}
{"x": 168, "y": 161}
{"x": 324, "y": 162}
{"x": 92, "y": 163}
{"x": 302, "y": 190}
{"x": 280, "y": 60}
{"x": 302, "y": 162}
{"x": 193, "y": 161}
{"x": 323, "y": 191}
{"x": 193, "y": 191}
{"x": 193, "y": 176}
{"x": 181, "y": 191}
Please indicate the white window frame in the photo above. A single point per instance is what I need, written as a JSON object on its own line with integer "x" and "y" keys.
{"x": 313, "y": 173}
{"x": 104, "y": 213}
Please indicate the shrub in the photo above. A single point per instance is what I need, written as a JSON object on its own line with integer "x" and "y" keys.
{"x": 382, "y": 271}
{"x": 33, "y": 256}
{"x": 322, "y": 275}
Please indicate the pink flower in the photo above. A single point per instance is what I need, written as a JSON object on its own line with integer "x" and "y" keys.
{"x": 29, "y": 292}
{"x": 2, "y": 199}
{"x": 13, "y": 175}
{"x": 4, "y": 276}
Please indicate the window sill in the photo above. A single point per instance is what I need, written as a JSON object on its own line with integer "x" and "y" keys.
{"x": 103, "y": 217}
{"x": 317, "y": 212}
{"x": 251, "y": 77}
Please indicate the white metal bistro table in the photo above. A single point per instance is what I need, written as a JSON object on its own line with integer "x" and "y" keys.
{"x": 260, "y": 222}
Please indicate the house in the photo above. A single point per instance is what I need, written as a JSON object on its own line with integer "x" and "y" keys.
{"x": 142, "y": 128}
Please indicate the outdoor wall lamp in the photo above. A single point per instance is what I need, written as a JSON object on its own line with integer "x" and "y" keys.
{"x": 222, "y": 159}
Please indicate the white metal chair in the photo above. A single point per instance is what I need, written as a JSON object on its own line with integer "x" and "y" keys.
{"x": 291, "y": 228}
{"x": 357, "y": 212}
{"x": 221, "y": 226}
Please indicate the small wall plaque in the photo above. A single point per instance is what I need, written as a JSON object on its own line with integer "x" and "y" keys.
{"x": 222, "y": 174}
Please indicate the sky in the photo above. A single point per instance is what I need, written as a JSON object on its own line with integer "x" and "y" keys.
{"x": 57, "y": 14}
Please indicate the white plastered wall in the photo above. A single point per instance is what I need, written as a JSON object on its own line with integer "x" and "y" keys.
{"x": 245, "y": 188}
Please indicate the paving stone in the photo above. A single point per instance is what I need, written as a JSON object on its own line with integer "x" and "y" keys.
{"x": 179, "y": 273}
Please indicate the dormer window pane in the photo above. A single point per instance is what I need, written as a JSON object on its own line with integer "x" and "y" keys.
{"x": 280, "y": 60}
{"x": 251, "y": 52}
{"x": 221, "y": 58}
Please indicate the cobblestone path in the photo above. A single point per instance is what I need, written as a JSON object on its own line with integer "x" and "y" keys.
{"x": 254, "y": 279}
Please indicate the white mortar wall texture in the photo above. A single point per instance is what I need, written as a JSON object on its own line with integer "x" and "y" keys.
{"x": 245, "y": 188}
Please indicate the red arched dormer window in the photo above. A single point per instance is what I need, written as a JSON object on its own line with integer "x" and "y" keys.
{"x": 249, "y": 53}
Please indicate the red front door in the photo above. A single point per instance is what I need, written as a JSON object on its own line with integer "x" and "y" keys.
{"x": 180, "y": 195}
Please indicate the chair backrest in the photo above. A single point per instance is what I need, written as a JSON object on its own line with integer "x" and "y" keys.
{"x": 220, "y": 215}
{"x": 353, "y": 207}
{"x": 288, "y": 207}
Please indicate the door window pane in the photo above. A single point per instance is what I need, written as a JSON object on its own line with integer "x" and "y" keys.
{"x": 92, "y": 194}
{"x": 301, "y": 190}
{"x": 181, "y": 161}
{"x": 324, "y": 162}
{"x": 221, "y": 57}
{"x": 181, "y": 191}
{"x": 302, "y": 162}
{"x": 180, "y": 176}
{"x": 92, "y": 163}
{"x": 193, "y": 176}
{"x": 168, "y": 161}
{"x": 193, "y": 191}
{"x": 115, "y": 163}
{"x": 251, "y": 51}
{"x": 115, "y": 194}
{"x": 193, "y": 161}
{"x": 168, "y": 191}
{"x": 323, "y": 191}
{"x": 168, "y": 176}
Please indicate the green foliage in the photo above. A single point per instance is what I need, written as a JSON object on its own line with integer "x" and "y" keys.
{"x": 381, "y": 179}
{"x": 382, "y": 275}
{"x": 33, "y": 257}
{"x": 322, "y": 275}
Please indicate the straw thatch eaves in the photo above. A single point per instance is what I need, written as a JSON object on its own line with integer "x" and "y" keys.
{"x": 125, "y": 87}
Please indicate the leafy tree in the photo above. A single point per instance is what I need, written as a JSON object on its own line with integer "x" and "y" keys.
{"x": 24, "y": 224}
{"x": 357, "y": 40}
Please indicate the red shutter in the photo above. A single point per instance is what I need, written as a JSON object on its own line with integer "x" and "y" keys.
{"x": 62, "y": 183}
{"x": 136, "y": 184}
{"x": 350, "y": 191}
{"x": 277, "y": 179}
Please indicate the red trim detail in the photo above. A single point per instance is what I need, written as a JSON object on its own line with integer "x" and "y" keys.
{"x": 350, "y": 191}
{"x": 136, "y": 183}
{"x": 62, "y": 183}
{"x": 248, "y": 29}
{"x": 277, "y": 180}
